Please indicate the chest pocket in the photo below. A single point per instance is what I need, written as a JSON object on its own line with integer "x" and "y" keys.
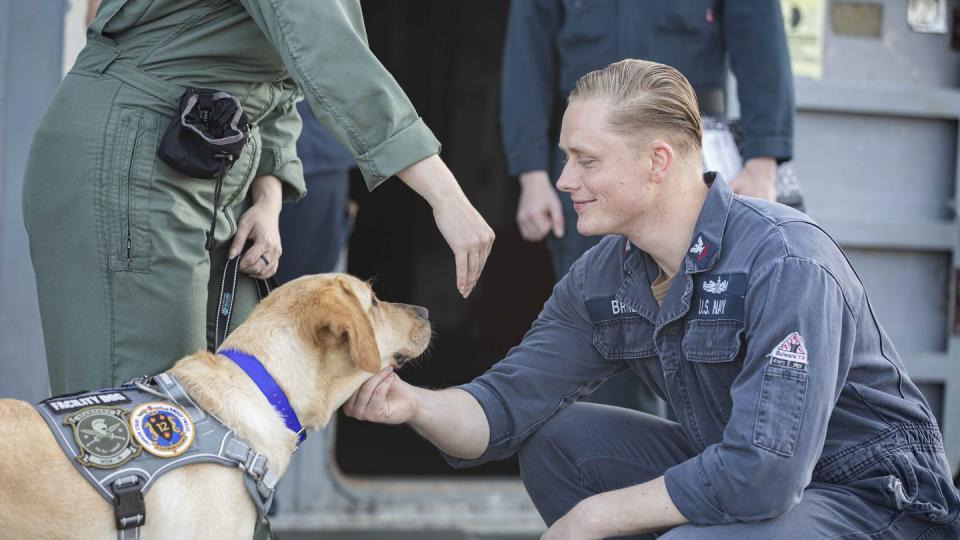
{"x": 689, "y": 17}
{"x": 587, "y": 21}
{"x": 624, "y": 338}
{"x": 712, "y": 348}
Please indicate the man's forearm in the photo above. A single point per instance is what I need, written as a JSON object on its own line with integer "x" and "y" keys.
{"x": 453, "y": 421}
{"x": 637, "y": 509}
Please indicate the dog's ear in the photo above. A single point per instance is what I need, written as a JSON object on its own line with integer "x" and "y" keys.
{"x": 345, "y": 317}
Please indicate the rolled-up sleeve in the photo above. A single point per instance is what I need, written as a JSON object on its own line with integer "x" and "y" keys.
{"x": 278, "y": 153}
{"x": 798, "y": 344}
{"x": 529, "y": 86}
{"x": 760, "y": 60}
{"x": 323, "y": 45}
{"x": 554, "y": 366}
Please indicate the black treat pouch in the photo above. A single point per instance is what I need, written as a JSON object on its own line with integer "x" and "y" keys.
{"x": 205, "y": 139}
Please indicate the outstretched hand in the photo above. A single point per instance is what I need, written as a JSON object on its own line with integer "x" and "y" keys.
{"x": 384, "y": 399}
{"x": 464, "y": 229}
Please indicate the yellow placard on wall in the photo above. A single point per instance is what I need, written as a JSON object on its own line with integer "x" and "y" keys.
{"x": 804, "y": 23}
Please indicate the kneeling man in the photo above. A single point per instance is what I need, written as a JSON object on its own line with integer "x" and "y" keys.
{"x": 796, "y": 418}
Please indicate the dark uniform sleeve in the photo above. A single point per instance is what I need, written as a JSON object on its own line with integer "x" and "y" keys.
{"x": 554, "y": 366}
{"x": 323, "y": 45}
{"x": 798, "y": 328}
{"x": 757, "y": 45}
{"x": 529, "y": 85}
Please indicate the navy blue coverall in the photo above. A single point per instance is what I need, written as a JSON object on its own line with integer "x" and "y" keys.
{"x": 795, "y": 415}
{"x": 552, "y": 43}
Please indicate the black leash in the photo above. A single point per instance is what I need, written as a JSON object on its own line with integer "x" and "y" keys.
{"x": 228, "y": 292}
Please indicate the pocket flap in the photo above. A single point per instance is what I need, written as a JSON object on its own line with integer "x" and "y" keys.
{"x": 712, "y": 340}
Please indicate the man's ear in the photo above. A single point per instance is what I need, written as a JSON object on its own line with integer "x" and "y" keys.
{"x": 345, "y": 317}
{"x": 661, "y": 160}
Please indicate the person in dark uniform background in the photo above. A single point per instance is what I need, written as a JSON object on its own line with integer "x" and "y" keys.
{"x": 314, "y": 231}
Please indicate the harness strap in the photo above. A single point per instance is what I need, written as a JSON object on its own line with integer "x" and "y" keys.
{"x": 128, "y": 508}
{"x": 260, "y": 481}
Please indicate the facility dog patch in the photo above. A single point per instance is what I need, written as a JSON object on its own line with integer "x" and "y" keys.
{"x": 103, "y": 437}
{"x": 790, "y": 353}
{"x": 71, "y": 403}
{"x": 163, "y": 429}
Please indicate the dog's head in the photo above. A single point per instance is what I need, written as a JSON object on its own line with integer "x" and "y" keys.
{"x": 323, "y": 335}
{"x": 332, "y": 312}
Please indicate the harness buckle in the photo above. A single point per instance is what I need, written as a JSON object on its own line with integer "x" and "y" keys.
{"x": 256, "y": 465}
{"x": 128, "y": 507}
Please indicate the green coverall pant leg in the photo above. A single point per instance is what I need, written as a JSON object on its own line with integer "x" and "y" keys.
{"x": 141, "y": 291}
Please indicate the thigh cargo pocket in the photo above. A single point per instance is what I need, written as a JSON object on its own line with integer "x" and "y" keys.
{"x": 780, "y": 412}
{"x": 128, "y": 182}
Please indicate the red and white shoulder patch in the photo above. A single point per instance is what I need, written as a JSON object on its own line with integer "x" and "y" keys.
{"x": 790, "y": 353}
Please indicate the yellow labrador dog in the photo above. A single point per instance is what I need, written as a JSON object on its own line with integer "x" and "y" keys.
{"x": 320, "y": 337}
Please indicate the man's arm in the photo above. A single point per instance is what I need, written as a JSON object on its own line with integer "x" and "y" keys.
{"x": 490, "y": 418}
{"x": 528, "y": 96}
{"x": 450, "y": 419}
{"x": 633, "y": 510}
{"x": 759, "y": 58}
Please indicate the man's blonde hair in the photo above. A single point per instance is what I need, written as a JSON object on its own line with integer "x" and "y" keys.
{"x": 645, "y": 98}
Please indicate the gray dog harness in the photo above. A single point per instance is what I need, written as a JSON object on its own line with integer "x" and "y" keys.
{"x": 122, "y": 439}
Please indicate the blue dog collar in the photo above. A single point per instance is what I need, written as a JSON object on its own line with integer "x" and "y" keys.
{"x": 255, "y": 370}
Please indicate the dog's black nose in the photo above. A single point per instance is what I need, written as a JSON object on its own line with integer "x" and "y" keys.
{"x": 420, "y": 311}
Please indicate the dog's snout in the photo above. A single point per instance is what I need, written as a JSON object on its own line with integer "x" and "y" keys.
{"x": 421, "y": 312}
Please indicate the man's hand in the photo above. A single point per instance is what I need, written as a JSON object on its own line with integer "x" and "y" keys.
{"x": 757, "y": 179}
{"x": 539, "y": 209}
{"x": 451, "y": 419}
{"x": 384, "y": 399}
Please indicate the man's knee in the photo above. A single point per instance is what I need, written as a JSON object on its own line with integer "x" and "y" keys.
{"x": 547, "y": 451}
{"x": 547, "y": 466}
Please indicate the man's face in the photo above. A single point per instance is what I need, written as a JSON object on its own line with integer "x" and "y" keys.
{"x": 606, "y": 174}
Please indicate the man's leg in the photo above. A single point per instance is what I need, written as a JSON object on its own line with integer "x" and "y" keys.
{"x": 826, "y": 511}
{"x": 589, "y": 449}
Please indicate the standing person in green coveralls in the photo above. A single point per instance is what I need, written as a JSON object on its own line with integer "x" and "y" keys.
{"x": 125, "y": 284}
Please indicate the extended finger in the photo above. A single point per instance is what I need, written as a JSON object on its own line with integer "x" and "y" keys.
{"x": 379, "y": 400}
{"x": 367, "y": 390}
{"x": 556, "y": 218}
{"x": 372, "y": 408}
{"x": 240, "y": 239}
{"x": 473, "y": 258}
{"x": 460, "y": 255}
